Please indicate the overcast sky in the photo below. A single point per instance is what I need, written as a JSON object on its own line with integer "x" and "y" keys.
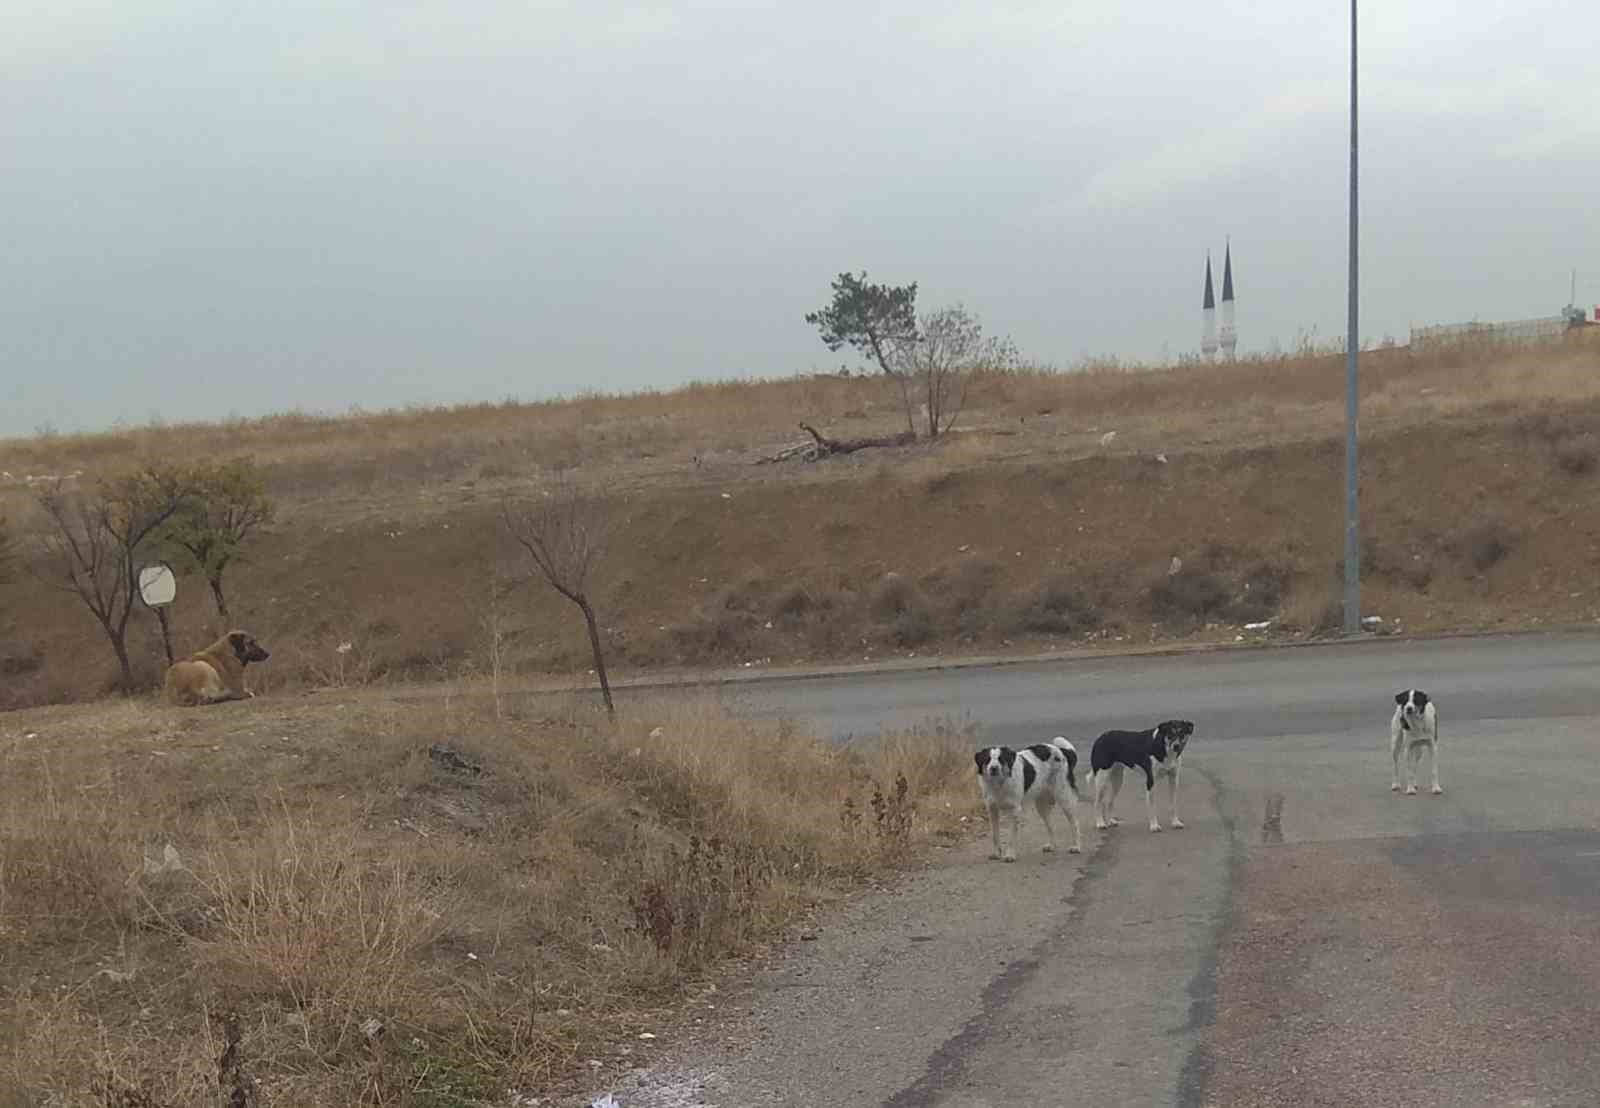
{"x": 214, "y": 209}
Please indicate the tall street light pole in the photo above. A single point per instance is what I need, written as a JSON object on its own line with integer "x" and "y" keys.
{"x": 1352, "y": 522}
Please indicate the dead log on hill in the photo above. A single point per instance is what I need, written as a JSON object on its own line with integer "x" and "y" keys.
{"x": 824, "y": 447}
{"x": 827, "y": 446}
{"x": 805, "y": 451}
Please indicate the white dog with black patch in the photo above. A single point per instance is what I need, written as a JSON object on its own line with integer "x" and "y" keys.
{"x": 1045, "y": 774}
{"x": 1414, "y": 726}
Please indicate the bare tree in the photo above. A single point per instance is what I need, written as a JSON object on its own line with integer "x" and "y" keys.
{"x": 8, "y": 560}
{"x": 92, "y": 544}
{"x": 498, "y": 633}
{"x": 7, "y": 554}
{"x": 563, "y": 529}
{"x": 949, "y": 347}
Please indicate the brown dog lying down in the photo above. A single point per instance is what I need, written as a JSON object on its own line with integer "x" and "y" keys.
{"x": 216, "y": 673}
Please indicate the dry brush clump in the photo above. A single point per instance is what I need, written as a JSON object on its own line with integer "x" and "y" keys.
{"x": 391, "y": 904}
{"x": 1483, "y": 544}
{"x": 1218, "y": 583}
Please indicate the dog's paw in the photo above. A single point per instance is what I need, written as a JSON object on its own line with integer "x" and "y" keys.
{"x": 1177, "y": 824}
{"x": 1101, "y": 825}
{"x": 1411, "y": 790}
{"x": 1155, "y": 827}
{"x": 1115, "y": 822}
{"x": 1394, "y": 788}
{"x": 1074, "y": 850}
{"x": 1437, "y": 790}
{"x": 1049, "y": 848}
{"x": 1009, "y": 858}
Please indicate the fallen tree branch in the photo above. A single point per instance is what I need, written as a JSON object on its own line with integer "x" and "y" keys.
{"x": 827, "y": 446}
{"x": 824, "y": 447}
{"x": 805, "y": 450}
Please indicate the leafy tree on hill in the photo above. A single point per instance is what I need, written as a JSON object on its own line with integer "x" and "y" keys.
{"x": 225, "y": 504}
{"x": 878, "y": 320}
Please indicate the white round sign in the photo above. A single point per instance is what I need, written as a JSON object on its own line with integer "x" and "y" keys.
{"x": 157, "y": 585}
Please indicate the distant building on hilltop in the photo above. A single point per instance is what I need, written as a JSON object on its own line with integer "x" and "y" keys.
{"x": 1230, "y": 337}
{"x": 1210, "y": 343}
{"x": 1208, "y": 317}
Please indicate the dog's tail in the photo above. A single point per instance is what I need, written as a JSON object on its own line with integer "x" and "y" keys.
{"x": 1070, "y": 753}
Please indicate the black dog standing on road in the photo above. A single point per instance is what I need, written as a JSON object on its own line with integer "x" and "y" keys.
{"x": 1158, "y": 752}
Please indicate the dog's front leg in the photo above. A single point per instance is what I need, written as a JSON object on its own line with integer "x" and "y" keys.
{"x": 1010, "y": 852}
{"x": 994, "y": 831}
{"x": 1150, "y": 798}
{"x": 1049, "y": 831}
{"x": 1413, "y": 756}
{"x": 1395, "y": 742}
{"x": 1070, "y": 806}
{"x": 1172, "y": 795}
{"x": 1106, "y": 784}
{"x": 1116, "y": 787}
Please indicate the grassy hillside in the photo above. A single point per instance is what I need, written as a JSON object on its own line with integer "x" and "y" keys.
{"x": 424, "y": 903}
{"x": 1027, "y": 530}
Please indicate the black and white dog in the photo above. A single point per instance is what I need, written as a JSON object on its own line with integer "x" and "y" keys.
{"x": 1044, "y": 773}
{"x": 1158, "y": 752}
{"x": 1414, "y": 726}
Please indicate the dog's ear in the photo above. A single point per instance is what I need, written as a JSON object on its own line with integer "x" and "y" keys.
{"x": 1400, "y": 697}
{"x": 1422, "y": 700}
{"x": 981, "y": 757}
{"x": 240, "y": 643}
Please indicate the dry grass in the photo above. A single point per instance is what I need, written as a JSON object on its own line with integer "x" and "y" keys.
{"x": 388, "y": 925}
{"x": 673, "y": 435}
{"x": 1023, "y": 531}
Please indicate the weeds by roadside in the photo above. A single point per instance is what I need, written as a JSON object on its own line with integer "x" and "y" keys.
{"x": 353, "y": 901}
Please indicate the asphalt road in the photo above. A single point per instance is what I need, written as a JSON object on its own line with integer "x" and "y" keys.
{"x": 1311, "y": 938}
{"x": 1232, "y": 694}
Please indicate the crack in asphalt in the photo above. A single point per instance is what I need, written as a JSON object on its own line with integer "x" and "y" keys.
{"x": 946, "y": 1063}
{"x": 1202, "y": 987}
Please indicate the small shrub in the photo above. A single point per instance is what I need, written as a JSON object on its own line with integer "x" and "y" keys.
{"x": 704, "y": 900}
{"x": 966, "y": 593}
{"x": 1319, "y": 612}
{"x": 913, "y": 627}
{"x": 748, "y": 595}
{"x": 1189, "y": 596}
{"x": 1262, "y": 592}
{"x": 724, "y": 630}
{"x": 1059, "y": 606}
{"x": 1579, "y": 454}
{"x": 894, "y": 596}
{"x": 111, "y": 1091}
{"x": 902, "y": 612}
{"x": 892, "y": 814}
{"x": 19, "y": 660}
{"x": 1485, "y": 544}
{"x": 792, "y": 602}
{"x": 1412, "y": 568}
